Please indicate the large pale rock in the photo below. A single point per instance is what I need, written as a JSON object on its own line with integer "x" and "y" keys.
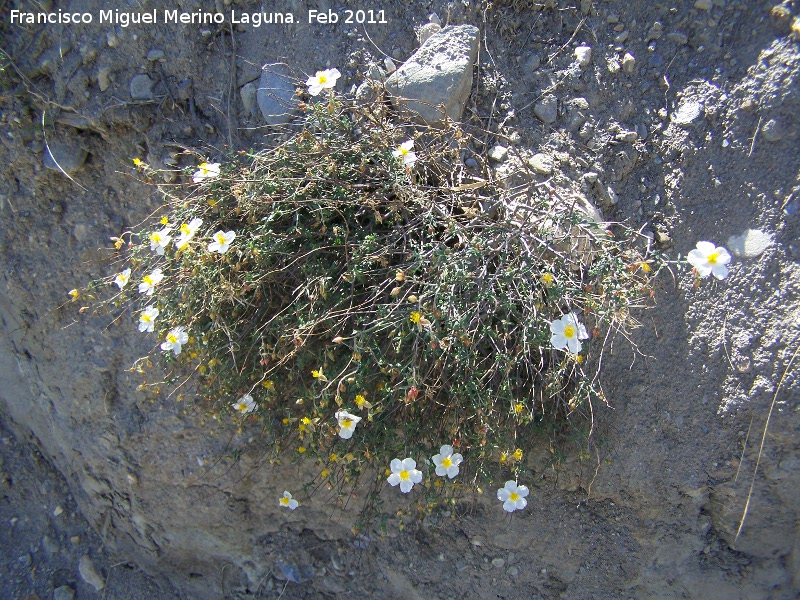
{"x": 438, "y": 74}
{"x": 275, "y": 94}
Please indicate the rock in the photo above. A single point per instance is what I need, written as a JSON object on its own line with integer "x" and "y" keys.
{"x": 687, "y": 113}
{"x": 498, "y": 153}
{"x": 50, "y": 546}
{"x": 142, "y": 87}
{"x": 498, "y": 562}
{"x": 662, "y": 238}
{"x": 750, "y": 244}
{"x": 591, "y": 176}
{"x": 772, "y": 131}
{"x": 781, "y": 19}
{"x": 155, "y": 55}
{"x": 703, "y": 4}
{"x": 628, "y": 63}
{"x": 626, "y": 136}
{"x": 89, "y": 574}
{"x": 61, "y": 156}
{"x": 583, "y": 54}
{"x": 547, "y": 109}
{"x": 275, "y": 94}
{"x": 542, "y": 164}
{"x": 248, "y": 95}
{"x": 104, "y": 78}
{"x": 390, "y": 66}
{"x": 367, "y": 93}
{"x": 513, "y": 571}
{"x": 533, "y": 63}
{"x": 613, "y": 66}
{"x": 439, "y": 73}
{"x": 678, "y": 37}
{"x": 621, "y": 37}
{"x": 375, "y": 73}
{"x": 426, "y": 31}
{"x": 64, "y": 593}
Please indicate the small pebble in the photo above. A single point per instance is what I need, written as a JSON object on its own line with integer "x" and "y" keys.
{"x": 155, "y": 55}
{"x": 89, "y": 573}
{"x": 498, "y": 153}
{"x": 498, "y": 562}
{"x": 628, "y": 63}
{"x": 772, "y": 131}
{"x": 541, "y": 164}
{"x": 64, "y": 593}
{"x": 513, "y": 571}
{"x": 583, "y": 54}
{"x": 703, "y": 4}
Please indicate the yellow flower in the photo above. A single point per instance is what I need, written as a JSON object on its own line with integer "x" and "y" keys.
{"x": 74, "y": 294}
{"x": 325, "y": 473}
{"x": 349, "y": 457}
{"x": 137, "y": 162}
{"x": 164, "y": 221}
{"x": 360, "y": 400}
{"x": 269, "y": 384}
{"x": 517, "y": 454}
{"x": 305, "y": 421}
{"x": 518, "y": 408}
{"x": 547, "y": 279}
{"x": 503, "y": 457}
{"x": 301, "y": 449}
{"x": 415, "y": 317}
{"x": 333, "y": 458}
{"x": 285, "y": 421}
{"x": 318, "y": 374}
{"x": 399, "y": 275}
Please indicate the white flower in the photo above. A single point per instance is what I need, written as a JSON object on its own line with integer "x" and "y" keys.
{"x": 187, "y": 233}
{"x": 147, "y": 319}
{"x": 245, "y": 404}
{"x": 149, "y": 282}
{"x": 513, "y": 496}
{"x": 567, "y": 333}
{"x": 206, "y": 171}
{"x": 323, "y": 80}
{"x": 709, "y": 260}
{"x": 446, "y": 462}
{"x": 222, "y": 241}
{"x": 287, "y": 501}
{"x": 123, "y": 278}
{"x": 159, "y": 240}
{"x": 404, "y": 152}
{"x": 405, "y": 473}
{"x": 347, "y": 424}
{"x": 175, "y": 339}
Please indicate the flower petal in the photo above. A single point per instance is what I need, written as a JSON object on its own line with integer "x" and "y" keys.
{"x": 396, "y": 465}
{"x": 705, "y": 248}
{"x": 521, "y": 503}
{"x": 523, "y": 490}
{"x": 446, "y": 450}
{"x": 416, "y": 476}
{"x": 409, "y": 464}
{"x": 503, "y": 494}
{"x": 393, "y": 479}
{"x": 509, "y": 506}
{"x": 406, "y": 485}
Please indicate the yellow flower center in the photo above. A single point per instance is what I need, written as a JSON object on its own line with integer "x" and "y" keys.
{"x": 404, "y": 475}
{"x": 146, "y": 318}
{"x": 569, "y": 331}
{"x": 156, "y": 237}
{"x": 323, "y": 80}
{"x": 185, "y": 229}
{"x": 714, "y": 257}
{"x": 220, "y": 237}
{"x": 402, "y": 151}
{"x": 514, "y": 496}
{"x": 285, "y": 501}
{"x": 172, "y": 338}
{"x": 346, "y": 423}
{"x": 447, "y": 462}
